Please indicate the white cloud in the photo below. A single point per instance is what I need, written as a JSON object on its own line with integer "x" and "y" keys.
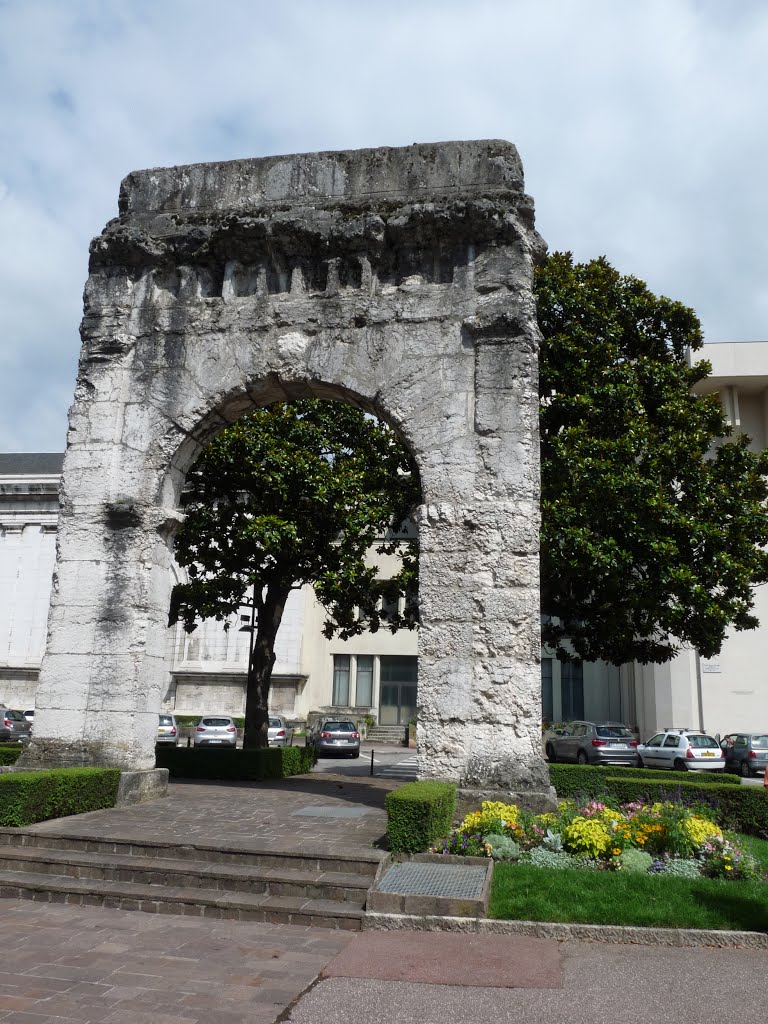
{"x": 641, "y": 127}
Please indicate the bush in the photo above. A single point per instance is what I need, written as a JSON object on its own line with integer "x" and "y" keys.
{"x": 418, "y": 814}
{"x": 27, "y": 797}
{"x": 502, "y": 847}
{"x": 635, "y": 861}
{"x": 9, "y": 752}
{"x": 242, "y": 765}
{"x": 589, "y": 780}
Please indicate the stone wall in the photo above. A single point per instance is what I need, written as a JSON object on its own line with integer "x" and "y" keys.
{"x": 396, "y": 279}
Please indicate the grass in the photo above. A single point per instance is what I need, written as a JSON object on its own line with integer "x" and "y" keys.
{"x": 526, "y": 893}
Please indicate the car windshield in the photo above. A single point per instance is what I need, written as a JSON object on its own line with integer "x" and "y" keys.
{"x": 15, "y": 716}
{"x": 613, "y": 731}
{"x": 760, "y": 741}
{"x": 166, "y": 720}
{"x": 702, "y": 741}
{"x": 275, "y": 723}
{"x": 216, "y": 721}
{"x": 339, "y": 727}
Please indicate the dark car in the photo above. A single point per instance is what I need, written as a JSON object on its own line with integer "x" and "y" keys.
{"x": 335, "y": 736}
{"x": 745, "y": 753}
{"x": 594, "y": 743}
{"x": 14, "y": 728}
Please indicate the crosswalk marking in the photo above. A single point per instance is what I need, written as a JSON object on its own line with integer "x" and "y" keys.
{"x": 407, "y": 769}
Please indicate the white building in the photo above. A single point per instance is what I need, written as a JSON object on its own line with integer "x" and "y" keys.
{"x": 376, "y": 673}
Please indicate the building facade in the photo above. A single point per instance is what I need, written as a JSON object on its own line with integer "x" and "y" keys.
{"x": 376, "y": 673}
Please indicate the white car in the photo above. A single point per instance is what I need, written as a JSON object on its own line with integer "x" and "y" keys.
{"x": 280, "y": 733}
{"x": 216, "y": 731}
{"x": 682, "y": 750}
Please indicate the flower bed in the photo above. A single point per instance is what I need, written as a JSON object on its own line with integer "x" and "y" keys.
{"x": 661, "y": 838}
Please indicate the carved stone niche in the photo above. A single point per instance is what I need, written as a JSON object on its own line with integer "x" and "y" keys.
{"x": 396, "y": 279}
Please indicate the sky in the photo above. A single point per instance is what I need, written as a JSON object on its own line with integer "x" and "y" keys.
{"x": 641, "y": 126}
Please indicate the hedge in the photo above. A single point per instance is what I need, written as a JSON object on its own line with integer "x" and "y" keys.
{"x": 28, "y": 797}
{"x": 418, "y": 814}
{"x": 243, "y": 765}
{"x": 9, "y": 752}
{"x": 589, "y": 780}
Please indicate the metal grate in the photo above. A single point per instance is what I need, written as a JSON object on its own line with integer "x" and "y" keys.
{"x": 452, "y": 880}
{"x": 332, "y": 812}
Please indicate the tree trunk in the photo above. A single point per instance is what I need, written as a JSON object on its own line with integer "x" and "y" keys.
{"x": 270, "y": 614}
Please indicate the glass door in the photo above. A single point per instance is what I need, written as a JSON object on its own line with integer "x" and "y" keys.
{"x": 397, "y": 701}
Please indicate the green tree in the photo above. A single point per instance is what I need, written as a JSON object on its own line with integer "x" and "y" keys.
{"x": 297, "y": 493}
{"x": 653, "y": 524}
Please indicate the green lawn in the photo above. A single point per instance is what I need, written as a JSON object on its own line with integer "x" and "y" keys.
{"x": 526, "y": 893}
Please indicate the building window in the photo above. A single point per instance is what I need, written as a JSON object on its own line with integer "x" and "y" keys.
{"x": 547, "y": 704}
{"x": 364, "y": 681}
{"x": 341, "y": 680}
{"x": 571, "y": 690}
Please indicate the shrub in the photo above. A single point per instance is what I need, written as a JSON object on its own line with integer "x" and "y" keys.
{"x": 464, "y": 844}
{"x": 636, "y": 862}
{"x": 541, "y": 858}
{"x": 243, "y": 765}
{"x": 589, "y": 780}
{"x": 9, "y": 752}
{"x": 493, "y": 816}
{"x": 418, "y": 814}
{"x": 27, "y": 797}
{"x": 503, "y": 848}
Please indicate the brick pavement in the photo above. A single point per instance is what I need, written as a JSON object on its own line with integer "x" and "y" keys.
{"x": 250, "y": 815}
{"x": 81, "y": 965}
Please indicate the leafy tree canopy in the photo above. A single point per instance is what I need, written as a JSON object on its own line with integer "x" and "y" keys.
{"x": 297, "y": 493}
{"x": 653, "y": 524}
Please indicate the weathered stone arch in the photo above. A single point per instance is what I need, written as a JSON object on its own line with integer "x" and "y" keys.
{"x": 398, "y": 279}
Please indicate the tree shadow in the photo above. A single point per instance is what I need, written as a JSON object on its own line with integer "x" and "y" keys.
{"x": 737, "y": 910}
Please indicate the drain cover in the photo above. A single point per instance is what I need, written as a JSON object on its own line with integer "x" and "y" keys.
{"x": 331, "y": 812}
{"x": 457, "y": 881}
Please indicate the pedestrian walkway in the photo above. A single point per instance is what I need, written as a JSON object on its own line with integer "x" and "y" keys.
{"x": 404, "y": 770}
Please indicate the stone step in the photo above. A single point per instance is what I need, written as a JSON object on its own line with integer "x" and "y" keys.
{"x": 197, "y": 902}
{"x": 164, "y": 871}
{"x": 253, "y": 855}
{"x": 386, "y": 734}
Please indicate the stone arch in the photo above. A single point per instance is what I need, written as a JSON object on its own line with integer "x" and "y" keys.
{"x": 399, "y": 279}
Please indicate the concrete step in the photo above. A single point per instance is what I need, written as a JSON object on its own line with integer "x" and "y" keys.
{"x": 386, "y": 734}
{"x": 303, "y": 858}
{"x": 196, "y": 902}
{"x": 164, "y": 871}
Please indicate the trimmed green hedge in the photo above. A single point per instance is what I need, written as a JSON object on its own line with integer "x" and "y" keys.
{"x": 589, "y": 780}
{"x": 27, "y": 797}
{"x": 9, "y": 752}
{"x": 418, "y": 814}
{"x": 243, "y": 765}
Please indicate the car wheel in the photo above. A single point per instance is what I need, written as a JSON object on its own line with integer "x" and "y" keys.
{"x": 551, "y": 755}
{"x": 744, "y": 770}
{"x": 581, "y": 757}
{"x": 640, "y": 763}
{"x": 680, "y": 765}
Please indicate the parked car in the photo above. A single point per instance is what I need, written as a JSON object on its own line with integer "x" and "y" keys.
{"x": 745, "y": 752}
{"x": 29, "y": 715}
{"x": 216, "y": 731}
{"x": 594, "y": 743}
{"x": 682, "y": 750}
{"x": 280, "y": 734}
{"x": 167, "y": 730}
{"x": 335, "y": 736}
{"x": 14, "y": 728}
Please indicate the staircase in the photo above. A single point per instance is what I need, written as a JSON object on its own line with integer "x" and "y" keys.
{"x": 324, "y": 890}
{"x": 396, "y": 734}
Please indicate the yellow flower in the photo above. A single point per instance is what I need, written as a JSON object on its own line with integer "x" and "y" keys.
{"x": 615, "y": 851}
{"x": 728, "y": 867}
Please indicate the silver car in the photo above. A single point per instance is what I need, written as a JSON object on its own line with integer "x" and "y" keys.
{"x": 335, "y": 736}
{"x": 216, "y": 731}
{"x": 594, "y": 743}
{"x": 14, "y": 728}
{"x": 167, "y": 730}
{"x": 745, "y": 753}
{"x": 280, "y": 733}
{"x": 682, "y": 750}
